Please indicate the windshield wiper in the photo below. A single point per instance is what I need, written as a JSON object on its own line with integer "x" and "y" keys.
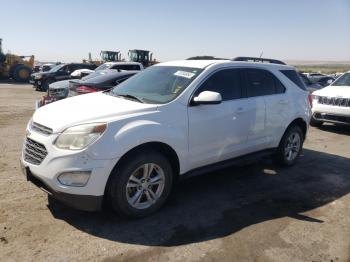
{"x": 130, "y": 97}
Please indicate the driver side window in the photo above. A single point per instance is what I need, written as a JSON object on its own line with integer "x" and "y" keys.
{"x": 227, "y": 82}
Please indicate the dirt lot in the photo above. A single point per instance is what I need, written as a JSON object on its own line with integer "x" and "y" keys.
{"x": 258, "y": 212}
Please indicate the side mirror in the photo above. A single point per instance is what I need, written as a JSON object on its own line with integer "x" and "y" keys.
{"x": 329, "y": 81}
{"x": 207, "y": 98}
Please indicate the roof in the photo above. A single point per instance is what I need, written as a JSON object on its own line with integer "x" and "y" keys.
{"x": 191, "y": 63}
{"x": 204, "y": 63}
{"x": 123, "y": 63}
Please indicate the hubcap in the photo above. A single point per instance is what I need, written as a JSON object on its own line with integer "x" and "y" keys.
{"x": 145, "y": 186}
{"x": 292, "y": 147}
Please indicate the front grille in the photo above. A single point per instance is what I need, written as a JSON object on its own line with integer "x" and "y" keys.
{"x": 34, "y": 152}
{"x": 334, "y": 101}
{"x": 41, "y": 129}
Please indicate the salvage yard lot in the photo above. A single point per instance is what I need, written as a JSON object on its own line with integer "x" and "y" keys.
{"x": 255, "y": 212}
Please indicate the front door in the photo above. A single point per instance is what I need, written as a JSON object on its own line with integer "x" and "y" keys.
{"x": 218, "y": 132}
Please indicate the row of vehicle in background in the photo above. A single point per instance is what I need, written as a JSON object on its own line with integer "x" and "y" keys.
{"x": 42, "y": 80}
{"x": 104, "y": 77}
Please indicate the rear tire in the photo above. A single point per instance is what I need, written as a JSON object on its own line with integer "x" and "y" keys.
{"x": 140, "y": 184}
{"x": 21, "y": 73}
{"x": 290, "y": 146}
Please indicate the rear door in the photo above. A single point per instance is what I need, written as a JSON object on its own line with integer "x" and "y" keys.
{"x": 257, "y": 87}
{"x": 268, "y": 93}
{"x": 279, "y": 110}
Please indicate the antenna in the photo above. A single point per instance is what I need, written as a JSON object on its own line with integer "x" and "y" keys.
{"x": 261, "y": 54}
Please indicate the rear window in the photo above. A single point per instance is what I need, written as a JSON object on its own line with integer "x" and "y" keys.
{"x": 294, "y": 77}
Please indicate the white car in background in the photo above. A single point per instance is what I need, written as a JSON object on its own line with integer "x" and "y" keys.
{"x": 332, "y": 103}
{"x": 130, "y": 145}
{"x": 128, "y": 66}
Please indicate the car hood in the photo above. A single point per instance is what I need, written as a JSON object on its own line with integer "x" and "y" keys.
{"x": 89, "y": 108}
{"x": 334, "y": 91}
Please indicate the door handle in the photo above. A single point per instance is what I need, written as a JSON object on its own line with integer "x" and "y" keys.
{"x": 283, "y": 101}
{"x": 240, "y": 110}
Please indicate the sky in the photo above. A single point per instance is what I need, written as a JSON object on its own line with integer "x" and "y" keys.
{"x": 67, "y": 30}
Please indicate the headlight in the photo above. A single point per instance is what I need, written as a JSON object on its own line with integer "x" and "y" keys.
{"x": 38, "y": 76}
{"x": 79, "y": 137}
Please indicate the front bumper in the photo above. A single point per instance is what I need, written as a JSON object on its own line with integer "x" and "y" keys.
{"x": 332, "y": 118}
{"x": 81, "y": 202}
{"x": 58, "y": 161}
{"x": 331, "y": 113}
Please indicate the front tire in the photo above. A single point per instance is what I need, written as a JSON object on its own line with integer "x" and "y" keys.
{"x": 315, "y": 123}
{"x": 140, "y": 184}
{"x": 45, "y": 84}
{"x": 290, "y": 146}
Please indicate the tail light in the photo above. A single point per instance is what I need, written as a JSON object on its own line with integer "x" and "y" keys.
{"x": 85, "y": 90}
{"x": 309, "y": 97}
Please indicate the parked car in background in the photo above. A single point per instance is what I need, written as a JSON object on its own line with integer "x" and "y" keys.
{"x": 130, "y": 145}
{"x": 325, "y": 81}
{"x": 332, "y": 103}
{"x": 42, "y": 80}
{"x": 129, "y": 66}
{"x": 309, "y": 85}
{"x": 99, "y": 83}
{"x": 62, "y": 89}
{"x": 59, "y": 90}
{"x": 314, "y": 77}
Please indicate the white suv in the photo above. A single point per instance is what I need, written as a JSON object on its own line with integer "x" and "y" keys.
{"x": 129, "y": 146}
{"x": 332, "y": 103}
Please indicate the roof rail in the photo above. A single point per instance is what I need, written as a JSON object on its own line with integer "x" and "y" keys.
{"x": 258, "y": 59}
{"x": 206, "y": 57}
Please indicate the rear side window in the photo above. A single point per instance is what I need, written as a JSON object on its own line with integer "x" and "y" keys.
{"x": 226, "y": 82}
{"x": 261, "y": 83}
{"x": 294, "y": 77}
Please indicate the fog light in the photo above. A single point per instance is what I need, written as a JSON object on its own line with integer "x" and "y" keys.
{"x": 74, "y": 178}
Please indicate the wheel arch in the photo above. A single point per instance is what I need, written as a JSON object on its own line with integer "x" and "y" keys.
{"x": 301, "y": 123}
{"x": 161, "y": 147}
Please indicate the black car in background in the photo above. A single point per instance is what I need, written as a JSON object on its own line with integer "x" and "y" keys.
{"x": 101, "y": 82}
{"x": 98, "y": 83}
{"x": 42, "y": 80}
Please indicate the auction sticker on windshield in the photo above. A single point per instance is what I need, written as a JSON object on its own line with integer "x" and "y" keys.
{"x": 185, "y": 74}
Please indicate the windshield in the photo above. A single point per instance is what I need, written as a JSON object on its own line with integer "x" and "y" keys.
{"x": 158, "y": 84}
{"x": 344, "y": 80}
{"x": 103, "y": 67}
{"x": 56, "y": 68}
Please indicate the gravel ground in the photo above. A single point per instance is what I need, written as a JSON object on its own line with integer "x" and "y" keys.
{"x": 257, "y": 212}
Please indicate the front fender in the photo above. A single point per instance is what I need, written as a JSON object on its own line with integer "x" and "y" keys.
{"x": 138, "y": 132}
